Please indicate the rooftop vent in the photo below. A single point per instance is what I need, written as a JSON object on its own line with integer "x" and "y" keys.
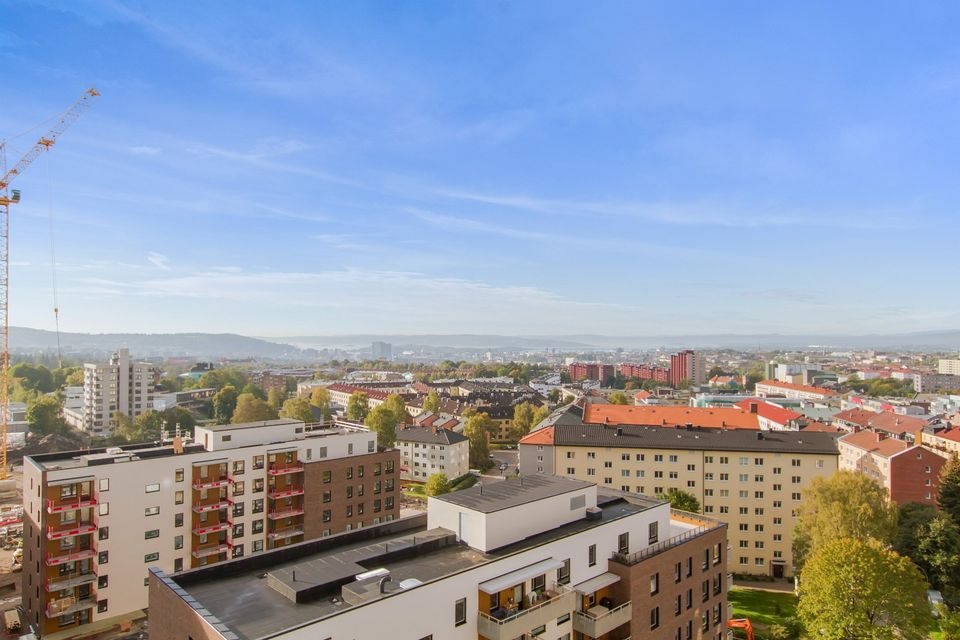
{"x": 594, "y": 513}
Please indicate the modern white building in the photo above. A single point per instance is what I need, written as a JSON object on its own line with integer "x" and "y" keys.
{"x": 73, "y": 406}
{"x": 425, "y": 451}
{"x": 539, "y": 557}
{"x": 120, "y": 386}
{"x": 949, "y": 366}
{"x": 95, "y": 521}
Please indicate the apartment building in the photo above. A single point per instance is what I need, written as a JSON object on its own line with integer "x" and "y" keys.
{"x": 96, "y": 520}
{"x": 120, "y": 386}
{"x": 892, "y": 425}
{"x": 775, "y": 388}
{"x": 753, "y": 480}
{"x": 543, "y": 557}
{"x": 425, "y": 451}
{"x": 948, "y": 366}
{"x": 590, "y": 371}
{"x": 908, "y": 472}
{"x": 945, "y": 440}
{"x": 688, "y": 365}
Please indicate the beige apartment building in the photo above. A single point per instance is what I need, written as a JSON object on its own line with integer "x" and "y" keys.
{"x": 96, "y": 521}
{"x": 752, "y": 480}
{"x": 120, "y": 386}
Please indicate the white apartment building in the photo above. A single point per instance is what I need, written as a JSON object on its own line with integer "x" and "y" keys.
{"x": 539, "y": 557}
{"x": 119, "y": 386}
{"x": 949, "y": 366}
{"x": 73, "y": 406}
{"x": 96, "y": 521}
{"x": 425, "y": 451}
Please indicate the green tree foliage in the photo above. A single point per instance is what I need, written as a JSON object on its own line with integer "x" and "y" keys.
{"x": 714, "y": 371}
{"x": 67, "y": 377}
{"x": 255, "y": 390}
{"x": 879, "y": 387}
{"x": 320, "y": 397}
{"x": 398, "y": 406}
{"x": 554, "y": 396}
{"x": 846, "y": 505}
{"x": 679, "y": 499}
{"x": 522, "y": 419}
{"x": 224, "y": 404}
{"x": 912, "y": 518}
{"x": 938, "y": 546}
{"x": 219, "y": 378}
{"x": 384, "y": 421}
{"x": 478, "y": 429}
{"x": 437, "y": 484}
{"x": 43, "y": 414}
{"x": 297, "y": 409}
{"x": 276, "y": 398}
{"x": 618, "y": 397}
{"x": 949, "y": 623}
{"x": 358, "y": 406}
{"x": 252, "y": 409}
{"x": 33, "y": 377}
{"x": 178, "y": 416}
{"x": 851, "y": 588}
{"x": 755, "y": 374}
{"x": 948, "y": 493}
{"x": 432, "y": 402}
{"x": 540, "y": 414}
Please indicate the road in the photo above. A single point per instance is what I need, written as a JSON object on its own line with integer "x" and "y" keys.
{"x": 501, "y": 457}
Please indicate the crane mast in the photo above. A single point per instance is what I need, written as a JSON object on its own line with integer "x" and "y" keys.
{"x": 12, "y": 196}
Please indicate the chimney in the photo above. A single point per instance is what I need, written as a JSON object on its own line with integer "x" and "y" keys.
{"x": 880, "y": 436}
{"x": 754, "y": 407}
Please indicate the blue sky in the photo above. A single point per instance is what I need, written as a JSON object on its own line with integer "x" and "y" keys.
{"x": 491, "y": 167}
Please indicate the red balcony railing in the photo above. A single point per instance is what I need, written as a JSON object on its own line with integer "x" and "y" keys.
{"x": 286, "y": 513}
{"x": 286, "y": 493}
{"x": 53, "y": 560}
{"x": 297, "y": 467}
{"x": 80, "y": 529}
{"x": 60, "y": 506}
{"x": 213, "y": 528}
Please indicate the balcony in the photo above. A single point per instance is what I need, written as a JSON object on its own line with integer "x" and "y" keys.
{"x": 213, "y": 506}
{"x": 55, "y": 506}
{"x": 279, "y": 471}
{"x": 515, "y": 625}
{"x": 288, "y": 513}
{"x": 66, "y": 606}
{"x": 599, "y": 620}
{"x": 213, "y": 528}
{"x": 285, "y": 533}
{"x": 80, "y": 529}
{"x": 285, "y": 493}
{"x": 69, "y": 581}
{"x": 211, "y": 551}
{"x": 211, "y": 483}
{"x": 706, "y": 525}
{"x": 55, "y": 560}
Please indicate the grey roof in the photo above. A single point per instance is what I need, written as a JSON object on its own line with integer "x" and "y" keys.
{"x": 252, "y": 425}
{"x": 640, "y": 437}
{"x": 504, "y": 494}
{"x": 428, "y": 435}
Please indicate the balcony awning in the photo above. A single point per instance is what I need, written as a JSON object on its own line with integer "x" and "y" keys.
{"x": 601, "y": 581}
{"x": 203, "y": 463}
{"x": 508, "y": 580}
{"x": 63, "y": 481}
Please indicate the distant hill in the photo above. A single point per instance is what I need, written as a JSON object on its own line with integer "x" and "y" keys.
{"x": 199, "y": 345}
{"x": 462, "y": 341}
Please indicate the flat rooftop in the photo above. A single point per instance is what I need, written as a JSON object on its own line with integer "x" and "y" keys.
{"x": 240, "y": 595}
{"x": 495, "y": 496}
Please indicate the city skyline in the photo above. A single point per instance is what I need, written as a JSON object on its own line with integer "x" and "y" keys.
{"x": 475, "y": 168}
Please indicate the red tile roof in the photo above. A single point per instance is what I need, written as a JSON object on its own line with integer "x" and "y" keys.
{"x": 868, "y": 441}
{"x": 669, "y": 416}
{"x": 798, "y": 387}
{"x": 885, "y": 421}
{"x": 770, "y": 411}
{"x": 373, "y": 394}
{"x": 541, "y": 436}
{"x": 951, "y": 433}
{"x": 819, "y": 426}
{"x": 642, "y": 394}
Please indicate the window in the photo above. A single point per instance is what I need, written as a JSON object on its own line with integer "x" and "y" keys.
{"x": 178, "y": 542}
{"x": 592, "y": 555}
{"x": 105, "y": 483}
{"x": 103, "y": 533}
{"x": 258, "y": 462}
{"x": 238, "y": 551}
{"x": 238, "y": 488}
{"x": 653, "y": 532}
{"x": 677, "y": 571}
{"x": 238, "y": 509}
{"x": 237, "y": 467}
{"x": 153, "y": 533}
{"x": 678, "y": 605}
{"x": 327, "y": 477}
{"x": 623, "y": 543}
{"x": 460, "y": 612}
{"x": 258, "y": 485}
{"x": 178, "y": 520}
{"x": 151, "y": 511}
{"x": 152, "y": 488}
{"x": 102, "y": 582}
{"x": 563, "y": 573}
{"x": 654, "y": 617}
{"x": 706, "y": 559}
{"x": 689, "y": 567}
{"x": 101, "y": 607}
{"x": 327, "y": 515}
{"x": 257, "y": 526}
{"x": 257, "y": 545}
{"x": 654, "y": 584}
{"x": 538, "y": 583}
{"x": 178, "y": 497}
{"x": 151, "y": 557}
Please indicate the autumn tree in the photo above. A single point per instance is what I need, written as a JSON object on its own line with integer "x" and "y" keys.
{"x": 297, "y": 409}
{"x": 384, "y": 422}
{"x": 618, "y": 397}
{"x": 398, "y": 406}
{"x": 255, "y": 390}
{"x": 847, "y": 591}
{"x": 522, "y": 419}
{"x": 680, "y": 499}
{"x": 948, "y": 493}
{"x": 358, "y": 406}
{"x": 220, "y": 378}
{"x": 845, "y": 505}
{"x": 320, "y": 398}
{"x": 432, "y": 402}
{"x": 275, "y": 398}
{"x": 43, "y": 415}
{"x": 224, "y": 404}
{"x": 437, "y": 484}
{"x": 938, "y": 548}
{"x": 478, "y": 429}
{"x": 540, "y": 414}
{"x": 252, "y": 409}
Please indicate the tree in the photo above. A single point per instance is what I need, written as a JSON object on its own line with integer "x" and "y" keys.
{"x": 846, "y": 505}
{"x": 437, "y": 484}
{"x": 224, "y": 404}
{"x": 911, "y": 519}
{"x": 178, "y": 416}
{"x": 522, "y": 419}
{"x": 358, "y": 406}
{"x": 255, "y": 390}
{"x": 938, "y": 545}
{"x": 948, "y": 493}
{"x": 847, "y": 591}
{"x": 297, "y": 409}
{"x": 398, "y": 406}
{"x": 432, "y": 402}
{"x": 252, "y": 409}
{"x": 618, "y": 397}
{"x": 275, "y": 398}
{"x": 34, "y": 377}
{"x": 384, "y": 421}
{"x": 714, "y": 372}
{"x": 949, "y": 623}
{"x": 680, "y": 499}
{"x": 540, "y": 414}
{"x": 554, "y": 396}
{"x": 320, "y": 398}
{"x": 43, "y": 414}
{"x": 220, "y": 378}
{"x": 478, "y": 429}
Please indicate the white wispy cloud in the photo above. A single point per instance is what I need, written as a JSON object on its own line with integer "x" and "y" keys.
{"x": 146, "y": 150}
{"x": 159, "y": 260}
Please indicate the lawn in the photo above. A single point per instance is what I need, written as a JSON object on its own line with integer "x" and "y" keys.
{"x": 762, "y": 607}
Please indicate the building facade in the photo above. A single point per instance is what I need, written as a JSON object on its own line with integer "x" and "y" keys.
{"x": 908, "y": 472}
{"x": 590, "y": 371}
{"x": 120, "y": 386}
{"x": 688, "y": 365}
{"x": 425, "y": 451}
{"x": 96, "y": 521}
{"x": 777, "y": 389}
{"x": 549, "y": 558}
{"x": 949, "y": 366}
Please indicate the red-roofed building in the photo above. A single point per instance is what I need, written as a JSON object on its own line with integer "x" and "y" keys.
{"x": 777, "y": 389}
{"x": 908, "y": 472}
{"x": 944, "y": 441}
{"x": 893, "y": 425}
{"x": 538, "y": 454}
{"x": 669, "y": 416}
{"x": 773, "y": 417}
{"x": 644, "y": 372}
{"x": 340, "y": 394}
{"x": 591, "y": 371}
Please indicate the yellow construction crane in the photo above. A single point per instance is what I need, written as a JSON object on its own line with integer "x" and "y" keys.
{"x": 8, "y": 197}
